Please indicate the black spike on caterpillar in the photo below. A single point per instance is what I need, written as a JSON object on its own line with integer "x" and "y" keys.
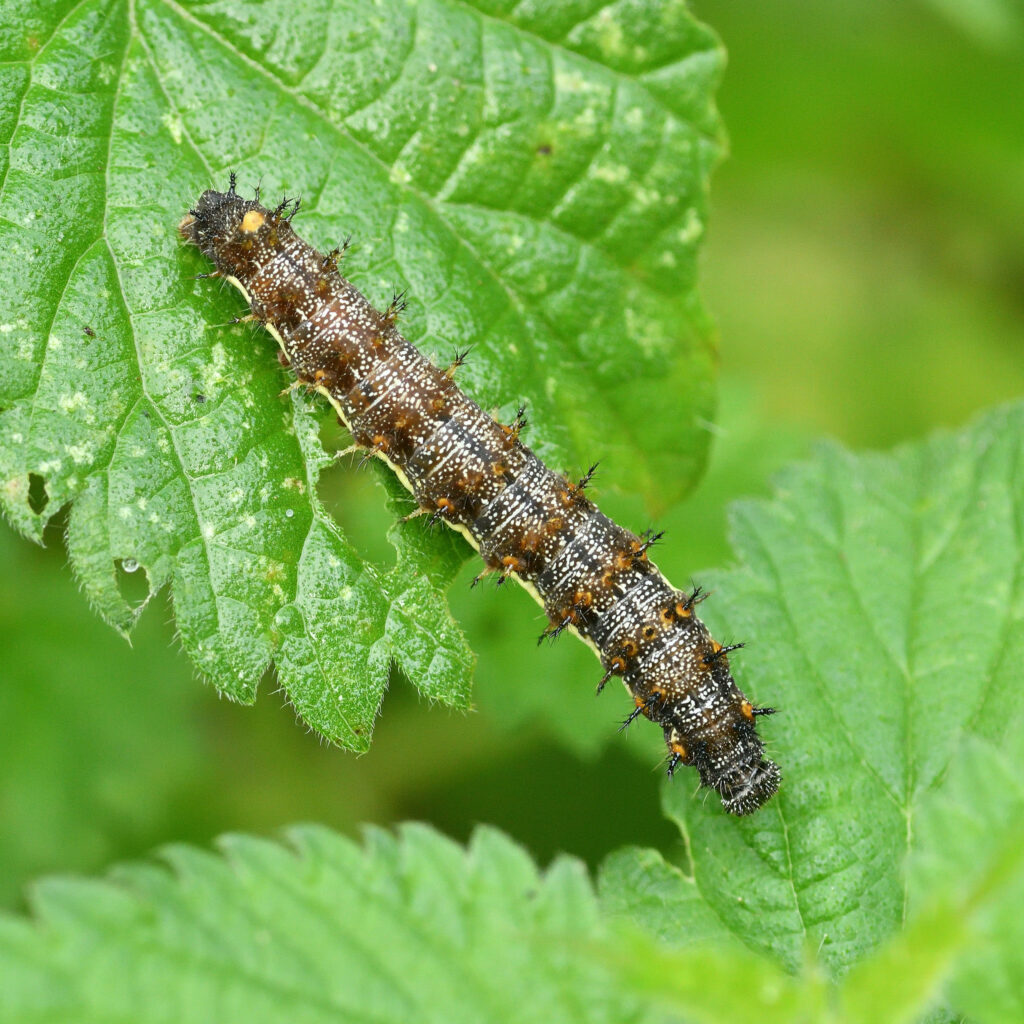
{"x": 591, "y": 576}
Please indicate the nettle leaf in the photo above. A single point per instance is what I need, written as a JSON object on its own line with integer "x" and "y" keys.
{"x": 883, "y": 599}
{"x": 969, "y": 858}
{"x": 536, "y": 178}
{"x": 417, "y": 928}
{"x": 413, "y": 928}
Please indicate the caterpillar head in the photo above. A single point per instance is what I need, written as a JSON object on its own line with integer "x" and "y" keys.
{"x": 228, "y": 229}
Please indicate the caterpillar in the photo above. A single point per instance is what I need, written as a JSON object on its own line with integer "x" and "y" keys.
{"x": 592, "y": 577}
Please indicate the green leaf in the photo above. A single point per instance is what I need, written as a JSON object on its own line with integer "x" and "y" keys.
{"x": 413, "y": 928}
{"x": 535, "y": 176}
{"x": 966, "y": 880}
{"x": 882, "y": 598}
{"x": 417, "y": 928}
{"x": 967, "y": 883}
{"x": 718, "y": 985}
{"x": 970, "y": 860}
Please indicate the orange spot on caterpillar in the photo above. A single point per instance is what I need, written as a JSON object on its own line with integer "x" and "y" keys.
{"x": 718, "y": 653}
{"x": 253, "y": 221}
{"x": 638, "y": 550}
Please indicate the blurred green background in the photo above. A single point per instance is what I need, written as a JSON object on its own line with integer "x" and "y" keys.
{"x": 865, "y": 262}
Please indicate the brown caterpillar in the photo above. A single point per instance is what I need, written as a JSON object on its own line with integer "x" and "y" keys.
{"x": 592, "y": 577}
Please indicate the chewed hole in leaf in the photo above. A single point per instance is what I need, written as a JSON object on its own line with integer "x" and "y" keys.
{"x": 351, "y": 495}
{"x": 349, "y": 490}
{"x": 132, "y": 581}
{"x": 38, "y": 499}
